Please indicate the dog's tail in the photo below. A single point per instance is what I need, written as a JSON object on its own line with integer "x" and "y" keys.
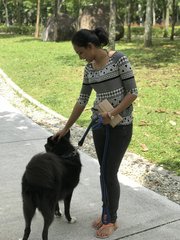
{"x": 31, "y": 198}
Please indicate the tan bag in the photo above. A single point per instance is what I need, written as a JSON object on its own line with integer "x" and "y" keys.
{"x": 105, "y": 106}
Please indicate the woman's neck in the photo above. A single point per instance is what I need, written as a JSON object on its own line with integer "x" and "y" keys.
{"x": 101, "y": 59}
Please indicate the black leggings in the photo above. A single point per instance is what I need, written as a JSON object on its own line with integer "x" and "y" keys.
{"x": 119, "y": 139}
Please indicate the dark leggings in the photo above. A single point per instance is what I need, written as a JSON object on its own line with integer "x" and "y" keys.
{"x": 119, "y": 139}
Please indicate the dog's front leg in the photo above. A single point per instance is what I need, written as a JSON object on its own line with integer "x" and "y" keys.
{"x": 67, "y": 203}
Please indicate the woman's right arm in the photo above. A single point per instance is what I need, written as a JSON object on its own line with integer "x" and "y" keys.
{"x": 76, "y": 112}
{"x": 80, "y": 105}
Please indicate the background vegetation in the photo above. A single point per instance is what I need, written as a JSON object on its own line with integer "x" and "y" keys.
{"x": 52, "y": 74}
{"x": 129, "y": 12}
{"x": 24, "y": 12}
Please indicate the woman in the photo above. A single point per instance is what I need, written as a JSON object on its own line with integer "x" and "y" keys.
{"x": 111, "y": 76}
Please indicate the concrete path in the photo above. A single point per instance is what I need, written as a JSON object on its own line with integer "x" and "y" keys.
{"x": 143, "y": 214}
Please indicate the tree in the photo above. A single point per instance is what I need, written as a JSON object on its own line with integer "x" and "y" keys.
{"x": 5, "y": 2}
{"x": 167, "y": 9}
{"x": 154, "y": 14}
{"x": 37, "y": 18}
{"x": 112, "y": 25}
{"x": 174, "y": 9}
{"x": 57, "y": 6}
{"x": 148, "y": 24}
{"x": 129, "y": 10}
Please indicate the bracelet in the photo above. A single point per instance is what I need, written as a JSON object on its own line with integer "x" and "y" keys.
{"x": 110, "y": 116}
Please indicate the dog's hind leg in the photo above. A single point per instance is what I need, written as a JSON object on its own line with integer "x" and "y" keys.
{"x": 47, "y": 211}
{"x": 57, "y": 211}
{"x": 67, "y": 203}
{"x": 28, "y": 210}
{"x": 47, "y": 222}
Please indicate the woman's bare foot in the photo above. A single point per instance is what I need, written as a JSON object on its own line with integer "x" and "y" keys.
{"x": 96, "y": 224}
{"x": 106, "y": 230}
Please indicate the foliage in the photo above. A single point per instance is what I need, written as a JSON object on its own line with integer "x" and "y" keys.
{"x": 136, "y": 31}
{"x": 15, "y": 29}
{"x": 157, "y": 31}
{"x": 52, "y": 73}
{"x": 24, "y": 12}
{"x": 177, "y": 31}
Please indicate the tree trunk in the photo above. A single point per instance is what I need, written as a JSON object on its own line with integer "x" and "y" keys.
{"x": 140, "y": 14}
{"x": 154, "y": 14}
{"x": 38, "y": 18}
{"x": 173, "y": 19}
{"x": 166, "y": 19}
{"x": 112, "y": 25}
{"x": 129, "y": 20}
{"x": 148, "y": 24}
{"x": 60, "y": 3}
{"x": 19, "y": 16}
{"x": 57, "y": 6}
{"x": 6, "y": 12}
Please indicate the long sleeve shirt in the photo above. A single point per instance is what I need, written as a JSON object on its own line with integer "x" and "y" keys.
{"x": 112, "y": 82}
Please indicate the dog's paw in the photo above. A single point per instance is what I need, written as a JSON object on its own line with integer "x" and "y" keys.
{"x": 73, "y": 220}
{"x": 58, "y": 214}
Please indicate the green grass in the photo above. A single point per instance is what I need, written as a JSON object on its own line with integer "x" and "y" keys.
{"x": 52, "y": 73}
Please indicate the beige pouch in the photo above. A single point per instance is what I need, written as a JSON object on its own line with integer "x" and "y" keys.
{"x": 105, "y": 106}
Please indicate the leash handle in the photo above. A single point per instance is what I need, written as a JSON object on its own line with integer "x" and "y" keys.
{"x": 80, "y": 143}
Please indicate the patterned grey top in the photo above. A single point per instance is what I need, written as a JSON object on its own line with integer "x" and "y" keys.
{"x": 112, "y": 82}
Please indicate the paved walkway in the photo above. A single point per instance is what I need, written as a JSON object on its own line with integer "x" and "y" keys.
{"x": 143, "y": 214}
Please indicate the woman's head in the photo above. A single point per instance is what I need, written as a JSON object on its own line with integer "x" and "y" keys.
{"x": 87, "y": 42}
{"x": 84, "y": 37}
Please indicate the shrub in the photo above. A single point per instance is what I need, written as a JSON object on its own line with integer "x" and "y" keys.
{"x": 157, "y": 31}
{"x": 15, "y": 29}
{"x": 177, "y": 31}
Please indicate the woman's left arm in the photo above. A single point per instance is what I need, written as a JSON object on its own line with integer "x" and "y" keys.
{"x": 129, "y": 84}
{"x": 125, "y": 103}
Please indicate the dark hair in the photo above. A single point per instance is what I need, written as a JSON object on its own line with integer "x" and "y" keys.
{"x": 83, "y": 37}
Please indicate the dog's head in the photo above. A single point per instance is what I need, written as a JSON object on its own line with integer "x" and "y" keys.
{"x": 59, "y": 146}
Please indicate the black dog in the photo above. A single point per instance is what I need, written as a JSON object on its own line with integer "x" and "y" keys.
{"x": 48, "y": 178}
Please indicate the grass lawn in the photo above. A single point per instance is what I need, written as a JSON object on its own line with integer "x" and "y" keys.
{"x": 52, "y": 74}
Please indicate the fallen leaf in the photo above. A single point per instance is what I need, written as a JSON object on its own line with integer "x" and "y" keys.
{"x": 177, "y": 112}
{"x": 143, "y": 123}
{"x": 173, "y": 123}
{"x": 144, "y": 147}
{"x": 161, "y": 111}
{"x": 146, "y": 134}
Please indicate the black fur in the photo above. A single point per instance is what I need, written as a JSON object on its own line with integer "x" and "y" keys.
{"x": 48, "y": 178}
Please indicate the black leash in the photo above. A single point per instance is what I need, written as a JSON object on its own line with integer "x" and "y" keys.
{"x": 94, "y": 121}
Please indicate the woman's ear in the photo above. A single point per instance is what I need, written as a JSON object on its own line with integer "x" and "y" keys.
{"x": 90, "y": 45}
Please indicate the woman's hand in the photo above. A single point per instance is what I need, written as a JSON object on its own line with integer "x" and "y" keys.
{"x": 105, "y": 118}
{"x": 60, "y": 133}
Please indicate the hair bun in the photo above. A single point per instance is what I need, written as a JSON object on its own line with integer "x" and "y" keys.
{"x": 102, "y": 35}
{"x": 83, "y": 37}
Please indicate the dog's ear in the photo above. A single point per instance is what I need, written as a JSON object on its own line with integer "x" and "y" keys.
{"x": 50, "y": 139}
{"x": 50, "y": 143}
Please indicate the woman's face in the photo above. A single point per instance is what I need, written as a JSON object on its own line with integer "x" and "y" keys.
{"x": 86, "y": 53}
